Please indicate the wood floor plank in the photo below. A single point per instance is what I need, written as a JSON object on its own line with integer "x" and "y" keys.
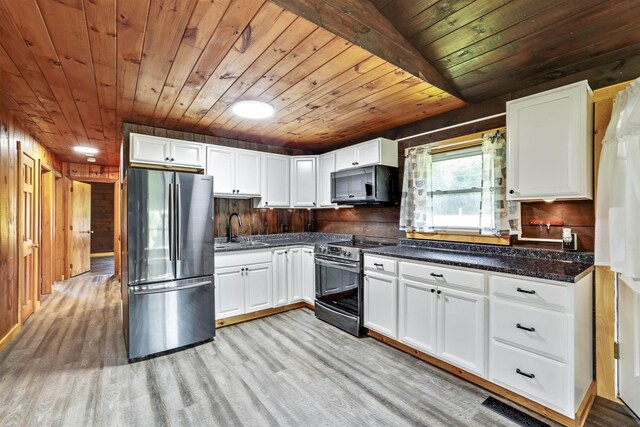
{"x": 68, "y": 367}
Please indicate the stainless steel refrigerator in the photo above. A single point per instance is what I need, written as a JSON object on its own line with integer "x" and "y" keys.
{"x": 167, "y": 260}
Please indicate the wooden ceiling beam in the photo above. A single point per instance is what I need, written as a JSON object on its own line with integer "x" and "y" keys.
{"x": 360, "y": 23}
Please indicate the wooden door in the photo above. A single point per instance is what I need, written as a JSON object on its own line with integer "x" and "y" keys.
{"x": 629, "y": 330}
{"x": 79, "y": 228}
{"x": 28, "y": 282}
{"x": 46, "y": 231}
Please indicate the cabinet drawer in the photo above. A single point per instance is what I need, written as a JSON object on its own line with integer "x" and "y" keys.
{"x": 443, "y": 276}
{"x": 512, "y": 323}
{"x": 530, "y": 292}
{"x": 381, "y": 265}
{"x": 548, "y": 386}
{"x": 242, "y": 258}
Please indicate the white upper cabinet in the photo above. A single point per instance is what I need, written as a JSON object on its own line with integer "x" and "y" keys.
{"x": 379, "y": 151}
{"x": 275, "y": 181}
{"x": 164, "y": 151}
{"x": 236, "y": 172}
{"x": 549, "y": 144}
{"x": 303, "y": 182}
{"x": 326, "y": 165}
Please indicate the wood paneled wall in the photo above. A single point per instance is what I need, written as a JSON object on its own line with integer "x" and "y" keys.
{"x": 13, "y": 137}
{"x": 260, "y": 221}
{"x": 102, "y": 217}
{"x": 365, "y": 222}
{"x": 577, "y": 215}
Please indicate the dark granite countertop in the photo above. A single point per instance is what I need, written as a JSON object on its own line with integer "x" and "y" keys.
{"x": 550, "y": 265}
{"x": 279, "y": 240}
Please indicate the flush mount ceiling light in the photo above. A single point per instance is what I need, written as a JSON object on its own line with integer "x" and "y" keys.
{"x": 85, "y": 149}
{"x": 252, "y": 109}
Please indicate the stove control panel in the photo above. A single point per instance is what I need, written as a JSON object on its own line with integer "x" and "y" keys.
{"x": 338, "y": 252}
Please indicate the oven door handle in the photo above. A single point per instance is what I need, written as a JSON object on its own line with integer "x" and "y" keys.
{"x": 353, "y": 267}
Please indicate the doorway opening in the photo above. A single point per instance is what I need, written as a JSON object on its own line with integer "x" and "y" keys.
{"x": 102, "y": 227}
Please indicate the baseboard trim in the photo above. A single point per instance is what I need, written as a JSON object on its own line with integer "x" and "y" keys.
{"x": 4, "y": 341}
{"x": 258, "y": 314}
{"x": 309, "y": 306}
{"x": 101, "y": 254}
{"x": 581, "y": 415}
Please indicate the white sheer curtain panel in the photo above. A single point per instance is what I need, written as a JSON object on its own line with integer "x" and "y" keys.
{"x": 618, "y": 201}
{"x": 416, "y": 209}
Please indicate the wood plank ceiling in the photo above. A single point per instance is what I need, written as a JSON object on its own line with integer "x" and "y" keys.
{"x": 73, "y": 70}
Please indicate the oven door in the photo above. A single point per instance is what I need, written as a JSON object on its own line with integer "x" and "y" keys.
{"x": 338, "y": 283}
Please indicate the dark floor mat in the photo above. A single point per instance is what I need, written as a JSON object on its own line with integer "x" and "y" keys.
{"x": 513, "y": 414}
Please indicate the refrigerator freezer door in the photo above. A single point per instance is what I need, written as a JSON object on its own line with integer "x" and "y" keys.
{"x": 165, "y": 316}
{"x": 149, "y": 234}
{"x": 194, "y": 225}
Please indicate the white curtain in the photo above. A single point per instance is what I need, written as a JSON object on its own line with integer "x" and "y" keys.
{"x": 416, "y": 207}
{"x": 618, "y": 201}
{"x": 497, "y": 215}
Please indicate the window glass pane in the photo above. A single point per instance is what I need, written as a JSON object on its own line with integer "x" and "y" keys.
{"x": 459, "y": 210}
{"x": 457, "y": 173}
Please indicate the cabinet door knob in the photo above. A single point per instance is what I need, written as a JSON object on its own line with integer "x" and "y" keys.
{"x": 433, "y": 290}
{"x": 166, "y": 159}
{"x": 511, "y": 191}
{"x": 266, "y": 203}
{"x": 439, "y": 291}
{"x": 172, "y": 159}
{"x": 314, "y": 203}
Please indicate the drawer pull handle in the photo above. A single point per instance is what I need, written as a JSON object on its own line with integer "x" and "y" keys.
{"x": 377, "y": 264}
{"x": 524, "y": 374}
{"x": 524, "y": 328}
{"x": 437, "y": 275}
{"x": 525, "y": 291}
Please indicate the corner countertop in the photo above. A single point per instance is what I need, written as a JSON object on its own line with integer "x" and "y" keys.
{"x": 280, "y": 240}
{"x": 542, "y": 264}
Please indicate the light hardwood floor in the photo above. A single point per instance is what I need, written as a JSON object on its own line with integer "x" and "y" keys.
{"x": 68, "y": 367}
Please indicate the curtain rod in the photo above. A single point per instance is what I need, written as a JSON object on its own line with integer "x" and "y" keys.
{"x": 451, "y": 127}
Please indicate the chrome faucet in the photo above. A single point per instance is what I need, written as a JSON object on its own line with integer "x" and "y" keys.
{"x": 229, "y": 234}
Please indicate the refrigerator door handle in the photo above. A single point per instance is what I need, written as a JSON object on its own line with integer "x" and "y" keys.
{"x": 171, "y": 222}
{"x": 170, "y": 288}
{"x": 178, "y": 224}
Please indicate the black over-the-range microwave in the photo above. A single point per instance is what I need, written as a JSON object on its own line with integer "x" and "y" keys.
{"x": 365, "y": 185}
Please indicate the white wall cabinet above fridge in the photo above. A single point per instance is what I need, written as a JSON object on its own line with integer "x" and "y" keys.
{"x": 549, "y": 144}
{"x": 379, "y": 151}
{"x": 237, "y": 173}
{"x": 155, "y": 150}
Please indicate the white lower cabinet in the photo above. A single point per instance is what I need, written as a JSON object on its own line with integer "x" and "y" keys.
{"x": 417, "y": 315}
{"x": 530, "y": 336}
{"x": 292, "y": 274}
{"x": 308, "y": 276}
{"x": 243, "y": 283}
{"x": 541, "y": 339}
{"x": 381, "y": 303}
{"x": 258, "y": 289}
{"x": 243, "y": 289}
{"x": 462, "y": 329}
{"x": 447, "y": 323}
{"x": 229, "y": 292}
